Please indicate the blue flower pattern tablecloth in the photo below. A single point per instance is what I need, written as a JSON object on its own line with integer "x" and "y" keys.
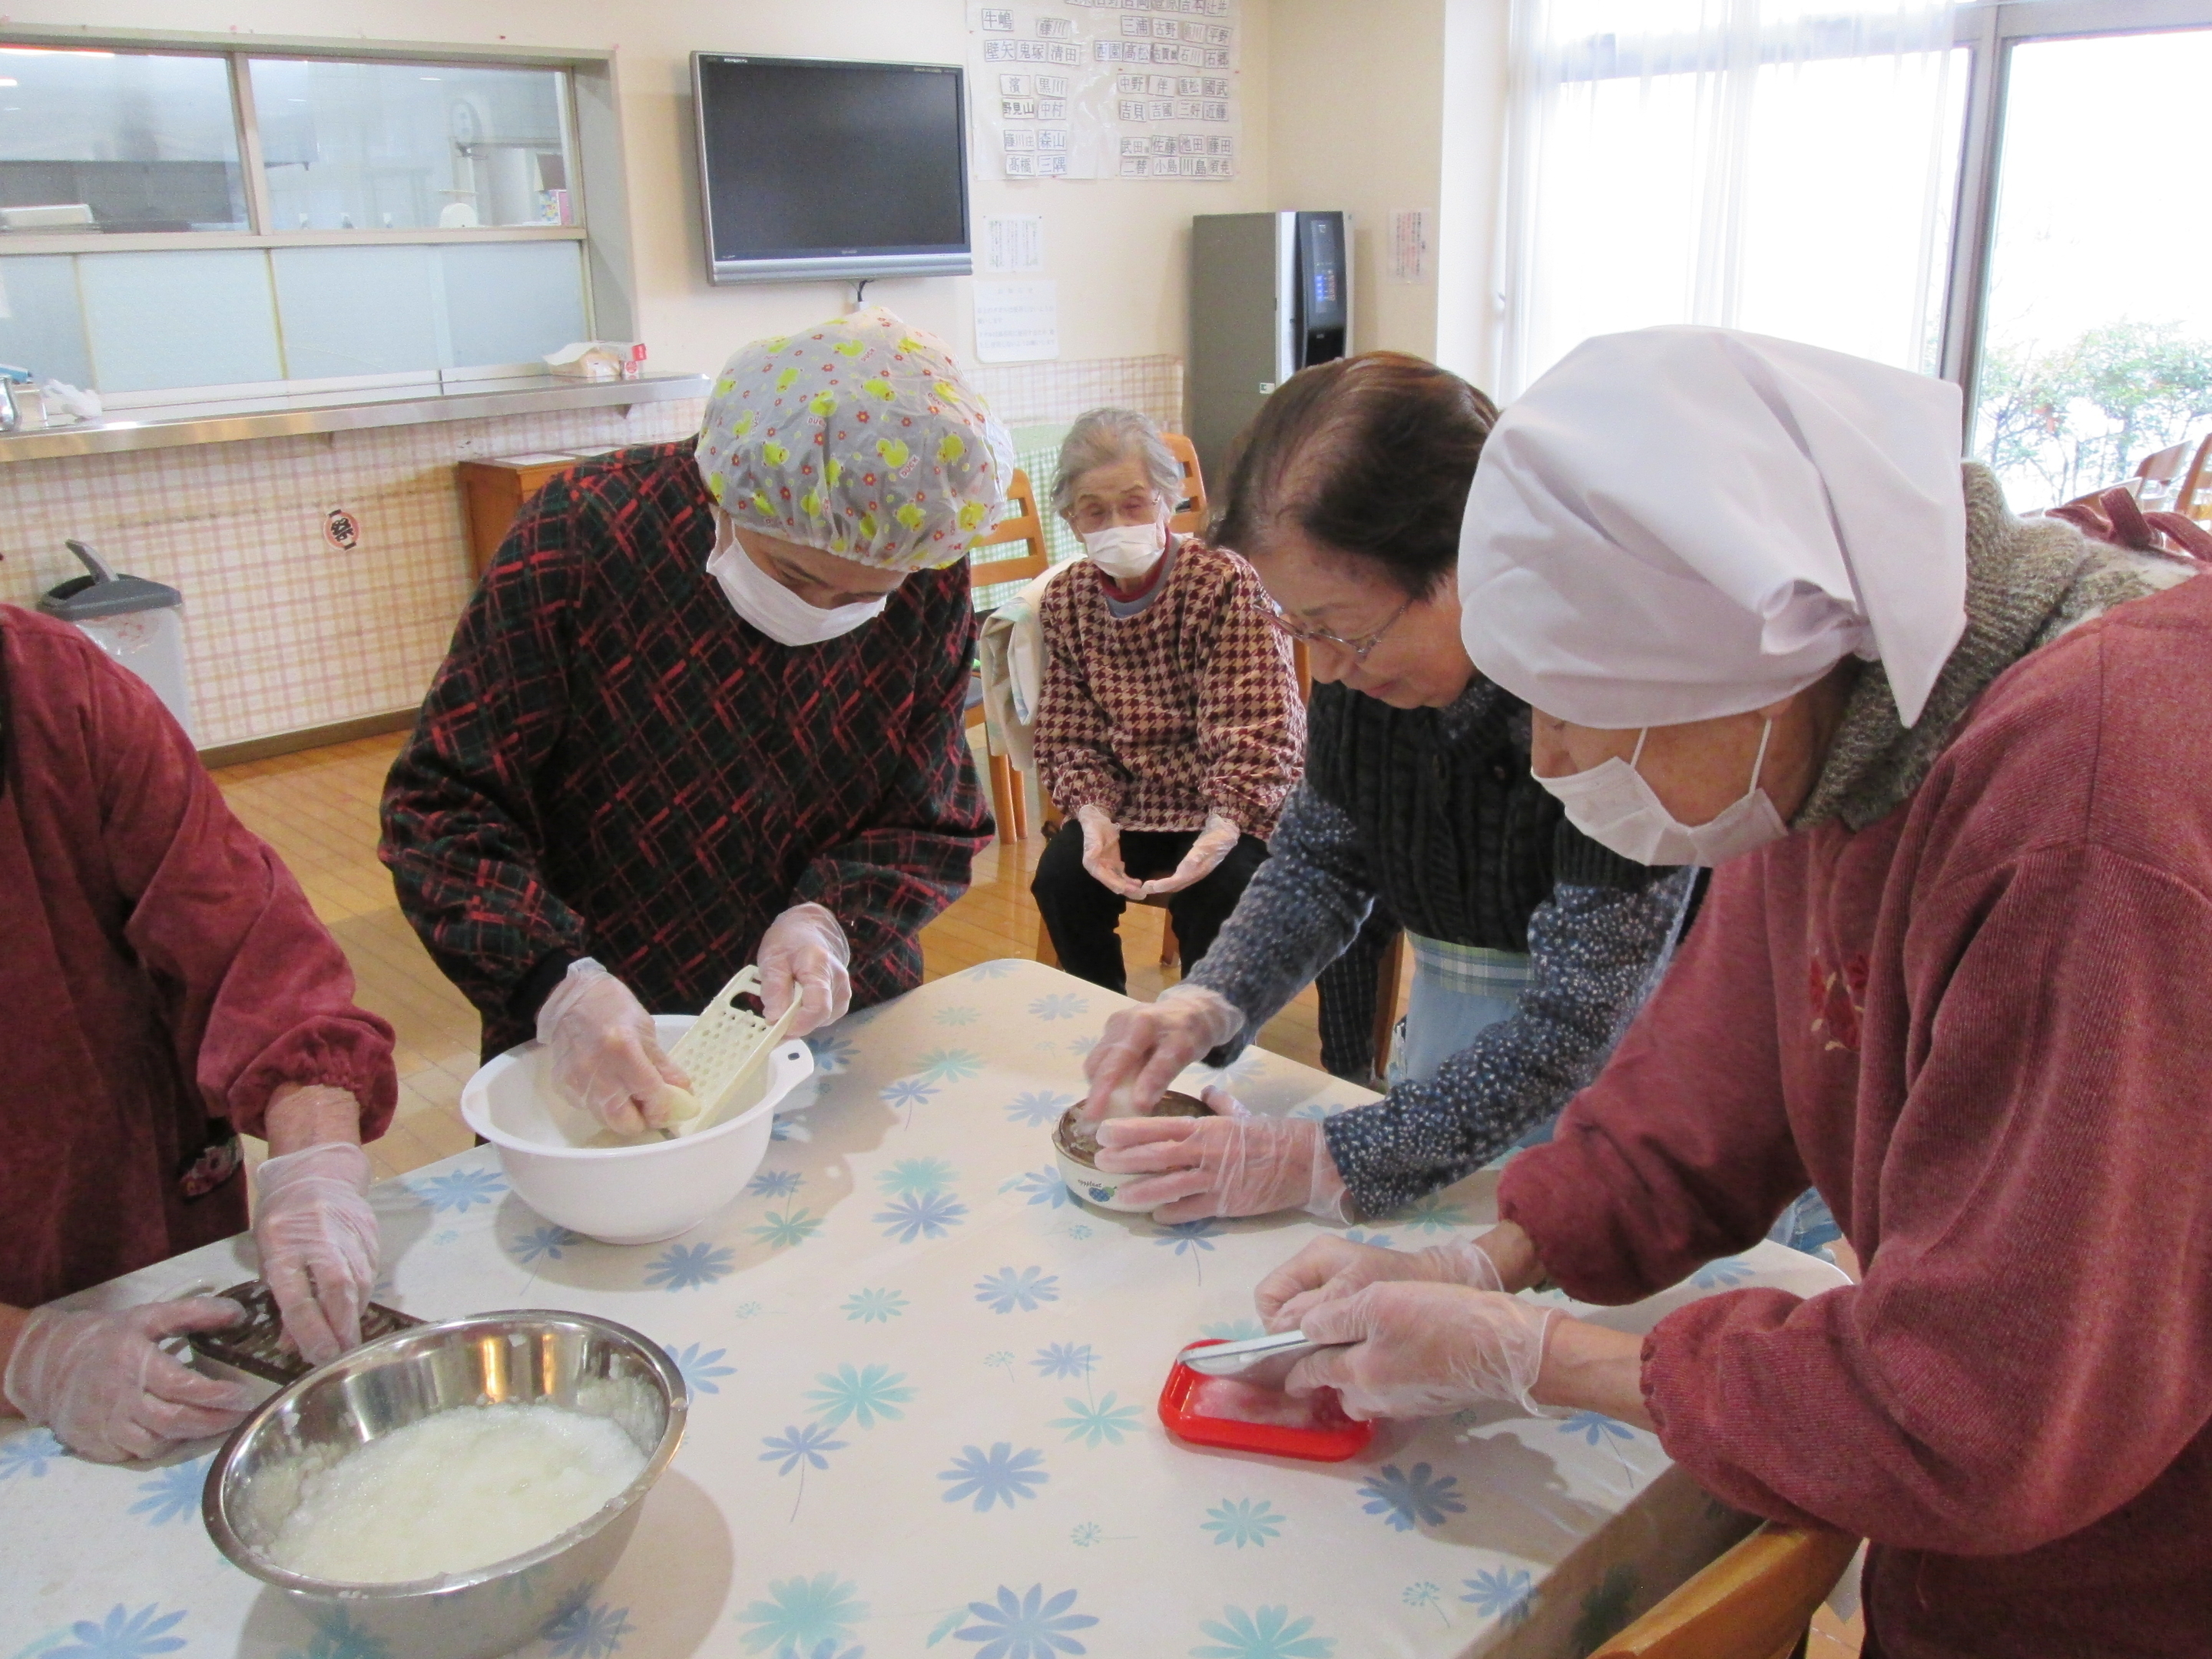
{"x": 924, "y": 1415}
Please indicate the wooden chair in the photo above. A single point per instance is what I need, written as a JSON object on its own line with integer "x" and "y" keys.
{"x": 1009, "y": 802}
{"x": 1189, "y": 516}
{"x": 2193, "y": 498}
{"x": 1755, "y": 1602}
{"x": 2155, "y": 477}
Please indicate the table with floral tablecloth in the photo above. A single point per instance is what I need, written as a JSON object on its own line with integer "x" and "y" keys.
{"x": 923, "y": 1418}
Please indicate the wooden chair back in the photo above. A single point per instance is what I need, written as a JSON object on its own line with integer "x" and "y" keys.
{"x": 1755, "y": 1602}
{"x": 1190, "y": 514}
{"x": 1024, "y": 525}
{"x": 2192, "y": 499}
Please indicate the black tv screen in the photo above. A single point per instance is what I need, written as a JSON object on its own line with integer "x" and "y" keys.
{"x": 811, "y": 169}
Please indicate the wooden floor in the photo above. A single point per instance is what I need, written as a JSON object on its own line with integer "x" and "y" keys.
{"x": 317, "y": 809}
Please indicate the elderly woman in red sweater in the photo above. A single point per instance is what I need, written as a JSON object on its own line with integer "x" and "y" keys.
{"x": 1952, "y": 970}
{"x": 170, "y": 990}
{"x": 1169, "y": 730}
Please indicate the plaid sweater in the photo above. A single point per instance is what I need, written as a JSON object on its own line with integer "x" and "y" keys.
{"x": 1188, "y": 706}
{"x": 612, "y": 764}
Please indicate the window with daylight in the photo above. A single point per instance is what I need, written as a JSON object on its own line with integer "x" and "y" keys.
{"x": 2001, "y": 193}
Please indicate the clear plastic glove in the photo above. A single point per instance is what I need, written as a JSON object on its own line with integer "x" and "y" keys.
{"x": 1102, "y": 852}
{"x": 804, "y": 954}
{"x": 1215, "y": 843}
{"x": 319, "y": 1244}
{"x": 1424, "y": 1350}
{"x": 605, "y": 1058}
{"x": 1231, "y": 1164}
{"x": 99, "y": 1381}
{"x": 1331, "y": 1269}
{"x": 1143, "y": 1048}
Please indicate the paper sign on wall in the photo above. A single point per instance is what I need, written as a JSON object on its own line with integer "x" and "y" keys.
{"x": 1409, "y": 246}
{"x": 1017, "y": 322}
{"x": 1013, "y": 242}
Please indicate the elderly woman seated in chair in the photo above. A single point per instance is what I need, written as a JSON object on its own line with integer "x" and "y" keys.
{"x": 1170, "y": 730}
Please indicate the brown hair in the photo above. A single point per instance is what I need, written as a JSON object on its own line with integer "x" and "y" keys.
{"x": 1368, "y": 456}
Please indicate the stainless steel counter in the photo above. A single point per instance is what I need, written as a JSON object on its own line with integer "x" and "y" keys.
{"x": 292, "y": 418}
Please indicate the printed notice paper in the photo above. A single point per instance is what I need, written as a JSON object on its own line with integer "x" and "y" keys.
{"x": 1017, "y": 322}
{"x": 1013, "y": 242}
{"x": 1107, "y": 88}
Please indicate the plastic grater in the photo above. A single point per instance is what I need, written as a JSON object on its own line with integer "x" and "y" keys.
{"x": 724, "y": 1050}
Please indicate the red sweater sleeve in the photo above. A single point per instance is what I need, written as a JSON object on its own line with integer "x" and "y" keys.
{"x": 2040, "y": 1276}
{"x": 256, "y": 992}
{"x": 1681, "y": 1151}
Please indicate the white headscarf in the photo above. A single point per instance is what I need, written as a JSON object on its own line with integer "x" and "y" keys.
{"x": 1683, "y": 523}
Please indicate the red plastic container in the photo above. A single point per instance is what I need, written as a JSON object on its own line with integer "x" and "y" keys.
{"x": 1333, "y": 1438}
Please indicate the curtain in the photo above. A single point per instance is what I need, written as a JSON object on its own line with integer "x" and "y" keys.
{"x": 1788, "y": 167}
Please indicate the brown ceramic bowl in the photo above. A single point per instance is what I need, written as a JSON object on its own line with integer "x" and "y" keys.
{"x": 1075, "y": 1149}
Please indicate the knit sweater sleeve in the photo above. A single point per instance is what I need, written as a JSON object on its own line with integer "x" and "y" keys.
{"x": 463, "y": 834}
{"x": 1301, "y": 908}
{"x": 1071, "y": 736}
{"x": 1595, "y": 954}
{"x": 885, "y": 882}
{"x": 1251, "y": 724}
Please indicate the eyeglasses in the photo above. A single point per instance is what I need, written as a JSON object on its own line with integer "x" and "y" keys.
{"x": 1280, "y": 619}
{"x": 1094, "y": 514}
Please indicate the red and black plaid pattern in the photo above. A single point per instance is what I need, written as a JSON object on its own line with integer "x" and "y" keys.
{"x": 1188, "y": 707}
{"x": 612, "y": 764}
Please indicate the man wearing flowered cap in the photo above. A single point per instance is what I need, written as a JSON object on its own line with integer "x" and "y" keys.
{"x": 705, "y": 708}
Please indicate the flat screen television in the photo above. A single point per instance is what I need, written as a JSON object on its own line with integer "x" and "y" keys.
{"x": 810, "y": 169}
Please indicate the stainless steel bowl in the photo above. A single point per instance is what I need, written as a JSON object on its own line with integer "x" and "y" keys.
{"x": 520, "y": 1357}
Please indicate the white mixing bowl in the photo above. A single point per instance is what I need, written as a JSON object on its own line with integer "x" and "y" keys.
{"x": 636, "y": 1194}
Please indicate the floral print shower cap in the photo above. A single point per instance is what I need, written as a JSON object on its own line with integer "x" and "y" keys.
{"x": 860, "y": 437}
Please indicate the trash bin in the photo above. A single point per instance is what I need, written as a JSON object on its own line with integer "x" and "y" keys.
{"x": 137, "y": 622}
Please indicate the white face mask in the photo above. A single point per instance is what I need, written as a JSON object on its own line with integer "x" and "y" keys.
{"x": 1125, "y": 551}
{"x": 1615, "y": 807}
{"x": 774, "y": 609}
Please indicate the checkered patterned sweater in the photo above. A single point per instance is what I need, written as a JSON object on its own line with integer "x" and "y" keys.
{"x": 612, "y": 764}
{"x": 1190, "y": 706}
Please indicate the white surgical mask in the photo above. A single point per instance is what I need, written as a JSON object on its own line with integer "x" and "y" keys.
{"x": 774, "y": 609}
{"x": 1615, "y": 807}
{"x": 1125, "y": 551}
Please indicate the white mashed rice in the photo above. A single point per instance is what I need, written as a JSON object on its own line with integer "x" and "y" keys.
{"x": 455, "y": 1492}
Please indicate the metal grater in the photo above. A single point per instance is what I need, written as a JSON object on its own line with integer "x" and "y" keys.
{"x": 253, "y": 1350}
{"x": 725, "y": 1048}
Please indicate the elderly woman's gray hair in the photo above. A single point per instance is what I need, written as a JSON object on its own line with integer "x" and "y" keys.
{"x": 1104, "y": 437}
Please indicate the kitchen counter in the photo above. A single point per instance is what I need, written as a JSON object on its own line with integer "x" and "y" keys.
{"x": 353, "y": 411}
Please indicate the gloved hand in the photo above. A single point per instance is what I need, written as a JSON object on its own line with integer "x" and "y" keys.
{"x": 1330, "y": 1269}
{"x": 1143, "y": 1048}
{"x": 605, "y": 1057}
{"x": 1423, "y": 1349}
{"x": 1231, "y": 1164}
{"x": 318, "y": 1243}
{"x": 98, "y": 1381}
{"x": 804, "y": 954}
{"x": 1102, "y": 852}
{"x": 1214, "y": 843}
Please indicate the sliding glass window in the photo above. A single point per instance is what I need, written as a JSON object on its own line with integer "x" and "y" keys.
{"x": 179, "y": 226}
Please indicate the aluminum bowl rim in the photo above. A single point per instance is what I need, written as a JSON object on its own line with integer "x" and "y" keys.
{"x": 243, "y": 1556}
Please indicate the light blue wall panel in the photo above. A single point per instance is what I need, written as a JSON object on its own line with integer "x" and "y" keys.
{"x": 360, "y": 310}
{"x": 41, "y": 326}
{"x": 190, "y": 317}
{"x": 512, "y": 302}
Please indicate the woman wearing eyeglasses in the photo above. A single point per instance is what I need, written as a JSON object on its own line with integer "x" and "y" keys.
{"x": 1532, "y": 943}
{"x": 1170, "y": 729}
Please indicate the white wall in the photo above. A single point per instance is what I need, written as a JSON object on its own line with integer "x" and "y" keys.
{"x": 1117, "y": 249}
{"x": 1390, "y": 105}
